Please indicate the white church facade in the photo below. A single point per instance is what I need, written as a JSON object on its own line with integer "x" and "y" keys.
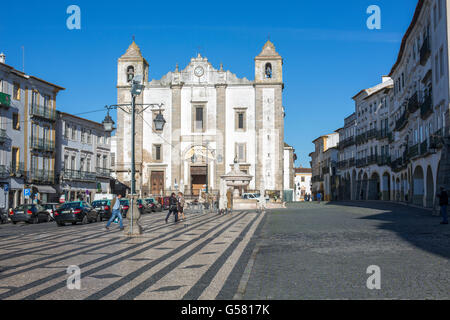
{"x": 212, "y": 118}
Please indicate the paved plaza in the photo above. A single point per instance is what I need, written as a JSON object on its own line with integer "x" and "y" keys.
{"x": 188, "y": 260}
{"x": 306, "y": 251}
{"x": 312, "y": 251}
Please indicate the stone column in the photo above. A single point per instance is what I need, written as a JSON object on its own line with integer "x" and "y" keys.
{"x": 220, "y": 131}
{"x": 176, "y": 133}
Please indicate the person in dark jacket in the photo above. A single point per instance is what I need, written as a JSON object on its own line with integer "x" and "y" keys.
{"x": 173, "y": 207}
{"x": 443, "y": 202}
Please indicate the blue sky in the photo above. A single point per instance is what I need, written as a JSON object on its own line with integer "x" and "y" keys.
{"x": 329, "y": 53}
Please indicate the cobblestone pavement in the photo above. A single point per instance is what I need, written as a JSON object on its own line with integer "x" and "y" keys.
{"x": 201, "y": 258}
{"x": 322, "y": 251}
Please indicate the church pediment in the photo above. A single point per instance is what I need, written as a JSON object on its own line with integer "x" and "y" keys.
{"x": 200, "y": 71}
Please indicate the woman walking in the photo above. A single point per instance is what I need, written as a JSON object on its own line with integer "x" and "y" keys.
{"x": 173, "y": 203}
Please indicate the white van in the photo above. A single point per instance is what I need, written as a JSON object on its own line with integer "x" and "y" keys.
{"x": 255, "y": 196}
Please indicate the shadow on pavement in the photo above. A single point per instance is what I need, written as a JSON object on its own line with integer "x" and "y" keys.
{"x": 415, "y": 225}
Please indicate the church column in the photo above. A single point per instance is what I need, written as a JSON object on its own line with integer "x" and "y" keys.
{"x": 176, "y": 133}
{"x": 221, "y": 131}
{"x": 259, "y": 136}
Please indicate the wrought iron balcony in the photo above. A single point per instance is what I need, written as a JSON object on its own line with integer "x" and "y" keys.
{"x": 361, "y": 138}
{"x": 423, "y": 148}
{"x": 398, "y": 164}
{"x": 425, "y": 51}
{"x": 372, "y": 133}
{"x": 384, "y": 160}
{"x": 17, "y": 169}
{"x": 361, "y": 162}
{"x": 5, "y": 100}
{"x": 43, "y": 112}
{"x": 351, "y": 162}
{"x": 103, "y": 172}
{"x": 413, "y": 151}
{"x": 42, "y": 144}
{"x": 427, "y": 107}
{"x": 4, "y": 172}
{"x": 41, "y": 175}
{"x": 3, "y": 136}
{"x": 372, "y": 159}
{"x": 69, "y": 174}
{"x": 436, "y": 141}
{"x": 413, "y": 103}
{"x": 401, "y": 122}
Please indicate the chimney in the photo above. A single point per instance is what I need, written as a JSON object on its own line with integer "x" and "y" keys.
{"x": 2, "y": 58}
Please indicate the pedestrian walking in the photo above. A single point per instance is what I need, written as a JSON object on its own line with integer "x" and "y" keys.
{"x": 443, "y": 203}
{"x": 115, "y": 205}
{"x": 173, "y": 204}
{"x": 181, "y": 206}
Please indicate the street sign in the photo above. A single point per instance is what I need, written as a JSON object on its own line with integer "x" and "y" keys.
{"x": 6, "y": 187}
{"x": 26, "y": 193}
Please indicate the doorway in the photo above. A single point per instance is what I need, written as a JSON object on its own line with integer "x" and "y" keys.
{"x": 157, "y": 182}
{"x": 198, "y": 179}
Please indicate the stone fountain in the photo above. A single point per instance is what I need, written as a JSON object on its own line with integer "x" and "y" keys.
{"x": 237, "y": 181}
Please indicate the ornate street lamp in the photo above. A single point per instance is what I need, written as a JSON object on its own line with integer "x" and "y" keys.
{"x": 108, "y": 123}
{"x": 159, "y": 121}
{"x": 137, "y": 86}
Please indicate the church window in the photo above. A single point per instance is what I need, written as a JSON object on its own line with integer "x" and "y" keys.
{"x": 268, "y": 71}
{"x": 157, "y": 152}
{"x": 198, "y": 117}
{"x": 130, "y": 73}
{"x": 240, "y": 121}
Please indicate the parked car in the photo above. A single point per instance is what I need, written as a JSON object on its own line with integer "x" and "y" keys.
{"x": 143, "y": 206}
{"x": 103, "y": 208}
{"x": 3, "y": 216}
{"x": 77, "y": 211}
{"x": 165, "y": 203}
{"x": 124, "y": 206}
{"x": 154, "y": 205}
{"x": 255, "y": 196}
{"x": 30, "y": 213}
{"x": 51, "y": 207}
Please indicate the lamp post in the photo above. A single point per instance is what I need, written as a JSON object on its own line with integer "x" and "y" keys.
{"x": 108, "y": 125}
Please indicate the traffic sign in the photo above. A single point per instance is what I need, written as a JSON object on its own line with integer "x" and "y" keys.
{"x": 6, "y": 187}
{"x": 27, "y": 193}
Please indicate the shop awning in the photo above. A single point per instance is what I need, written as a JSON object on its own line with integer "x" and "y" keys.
{"x": 45, "y": 189}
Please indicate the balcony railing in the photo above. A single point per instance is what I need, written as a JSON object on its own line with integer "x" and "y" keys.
{"x": 5, "y": 100}
{"x": 103, "y": 172}
{"x": 41, "y": 175}
{"x": 401, "y": 122}
{"x": 398, "y": 164}
{"x": 372, "y": 133}
{"x": 4, "y": 171}
{"x": 413, "y": 151}
{"x": 425, "y": 51}
{"x": 17, "y": 169}
{"x": 423, "y": 148}
{"x": 43, "y": 112}
{"x": 325, "y": 170}
{"x": 413, "y": 103}
{"x": 69, "y": 174}
{"x": 361, "y": 162}
{"x": 427, "y": 107}
{"x": 42, "y": 144}
{"x": 3, "y": 136}
{"x": 361, "y": 138}
{"x": 384, "y": 160}
{"x": 372, "y": 159}
{"x": 351, "y": 162}
{"x": 436, "y": 140}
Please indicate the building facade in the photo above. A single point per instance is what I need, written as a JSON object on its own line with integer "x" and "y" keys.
{"x": 323, "y": 165}
{"x": 213, "y": 117}
{"x": 289, "y": 173}
{"x": 83, "y": 157}
{"x": 400, "y": 137}
{"x": 302, "y": 183}
{"x": 27, "y": 136}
